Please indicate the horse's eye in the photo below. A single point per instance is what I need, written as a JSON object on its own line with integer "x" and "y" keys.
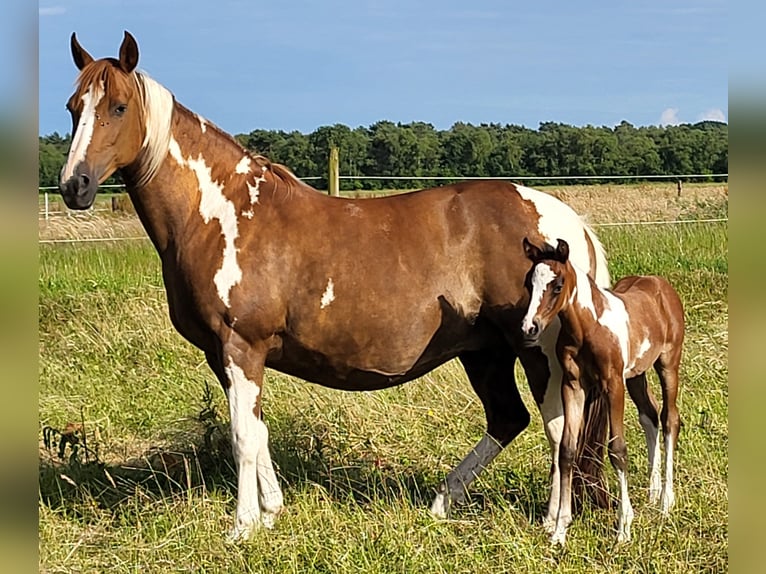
{"x": 557, "y": 289}
{"x": 120, "y": 109}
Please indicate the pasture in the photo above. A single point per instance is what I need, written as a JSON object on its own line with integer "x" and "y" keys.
{"x": 155, "y": 488}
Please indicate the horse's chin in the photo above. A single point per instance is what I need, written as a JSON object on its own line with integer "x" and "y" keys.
{"x": 531, "y": 341}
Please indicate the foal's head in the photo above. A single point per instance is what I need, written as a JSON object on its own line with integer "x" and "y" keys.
{"x": 107, "y": 121}
{"x": 550, "y": 283}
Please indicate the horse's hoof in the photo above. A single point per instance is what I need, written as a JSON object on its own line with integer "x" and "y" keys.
{"x": 440, "y": 506}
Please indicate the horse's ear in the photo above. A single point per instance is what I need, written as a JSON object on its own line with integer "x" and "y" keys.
{"x": 128, "y": 53}
{"x": 562, "y": 251}
{"x": 79, "y": 55}
{"x": 531, "y": 251}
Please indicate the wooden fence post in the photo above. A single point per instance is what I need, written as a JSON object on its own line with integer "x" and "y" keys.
{"x": 680, "y": 187}
{"x": 333, "y": 172}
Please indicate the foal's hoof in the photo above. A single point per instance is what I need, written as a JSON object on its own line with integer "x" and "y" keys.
{"x": 549, "y": 525}
{"x": 240, "y": 533}
{"x": 559, "y": 538}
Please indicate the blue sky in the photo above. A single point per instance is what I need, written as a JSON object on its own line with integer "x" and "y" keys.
{"x": 303, "y": 64}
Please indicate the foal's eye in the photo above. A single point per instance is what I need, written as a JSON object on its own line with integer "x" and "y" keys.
{"x": 557, "y": 289}
{"x": 120, "y": 109}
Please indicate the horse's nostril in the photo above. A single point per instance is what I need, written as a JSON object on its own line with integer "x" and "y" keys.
{"x": 84, "y": 180}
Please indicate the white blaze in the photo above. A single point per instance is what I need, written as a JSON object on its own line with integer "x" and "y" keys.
{"x": 541, "y": 278}
{"x": 84, "y": 132}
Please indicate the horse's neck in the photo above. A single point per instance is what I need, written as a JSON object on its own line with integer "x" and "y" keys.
{"x": 203, "y": 169}
{"x": 580, "y": 315}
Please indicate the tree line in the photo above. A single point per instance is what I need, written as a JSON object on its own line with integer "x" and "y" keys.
{"x": 488, "y": 150}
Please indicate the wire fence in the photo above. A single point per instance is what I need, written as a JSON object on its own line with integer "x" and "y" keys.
{"x": 47, "y": 212}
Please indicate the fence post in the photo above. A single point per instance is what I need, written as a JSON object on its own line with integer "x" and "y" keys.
{"x": 46, "y": 206}
{"x": 333, "y": 172}
{"x": 680, "y": 187}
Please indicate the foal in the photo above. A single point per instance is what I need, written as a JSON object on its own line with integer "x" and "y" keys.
{"x": 609, "y": 338}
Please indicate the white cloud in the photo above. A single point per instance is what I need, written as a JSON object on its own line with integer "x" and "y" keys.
{"x": 713, "y": 114}
{"x": 669, "y": 117}
{"x": 51, "y": 10}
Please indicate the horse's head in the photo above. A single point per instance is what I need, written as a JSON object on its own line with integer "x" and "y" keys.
{"x": 550, "y": 283}
{"x": 107, "y": 121}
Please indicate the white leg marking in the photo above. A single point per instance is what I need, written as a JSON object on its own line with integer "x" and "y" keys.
{"x": 652, "y": 435}
{"x": 329, "y": 294}
{"x": 84, "y": 132}
{"x": 454, "y": 487}
{"x": 668, "y": 496}
{"x": 249, "y": 439}
{"x": 626, "y": 509}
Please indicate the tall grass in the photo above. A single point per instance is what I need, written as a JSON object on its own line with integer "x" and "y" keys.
{"x": 156, "y": 489}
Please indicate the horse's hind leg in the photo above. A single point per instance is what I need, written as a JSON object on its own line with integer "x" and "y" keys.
{"x": 648, "y": 416}
{"x": 667, "y": 367}
{"x": 618, "y": 453}
{"x": 491, "y": 375}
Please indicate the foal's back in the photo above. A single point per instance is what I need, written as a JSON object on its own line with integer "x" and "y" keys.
{"x": 656, "y": 319}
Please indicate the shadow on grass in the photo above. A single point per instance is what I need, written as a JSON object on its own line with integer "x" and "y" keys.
{"x": 302, "y": 455}
{"x": 305, "y": 452}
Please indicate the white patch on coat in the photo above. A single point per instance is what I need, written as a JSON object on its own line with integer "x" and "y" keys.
{"x": 248, "y": 214}
{"x": 202, "y": 123}
{"x": 79, "y": 148}
{"x": 559, "y": 221}
{"x": 214, "y": 205}
{"x": 255, "y": 190}
{"x": 583, "y": 293}
{"x": 615, "y": 318}
{"x": 243, "y": 166}
{"x": 328, "y": 296}
{"x": 542, "y": 276}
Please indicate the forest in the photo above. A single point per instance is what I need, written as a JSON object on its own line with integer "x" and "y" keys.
{"x": 464, "y": 150}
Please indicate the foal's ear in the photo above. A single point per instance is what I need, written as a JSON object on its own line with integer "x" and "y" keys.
{"x": 533, "y": 252}
{"x": 128, "y": 53}
{"x": 562, "y": 251}
{"x": 79, "y": 55}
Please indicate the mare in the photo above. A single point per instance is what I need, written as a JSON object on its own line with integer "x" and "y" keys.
{"x": 261, "y": 270}
{"x": 609, "y": 339}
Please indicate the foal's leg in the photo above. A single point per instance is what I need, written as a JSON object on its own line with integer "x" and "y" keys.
{"x": 491, "y": 375}
{"x": 259, "y": 498}
{"x": 618, "y": 453}
{"x": 639, "y": 391}
{"x": 667, "y": 367}
{"x": 544, "y": 374}
{"x": 573, "y": 399}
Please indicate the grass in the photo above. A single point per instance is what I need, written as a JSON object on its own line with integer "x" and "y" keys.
{"x": 154, "y": 491}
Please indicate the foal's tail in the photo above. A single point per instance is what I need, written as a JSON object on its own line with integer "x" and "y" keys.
{"x": 589, "y": 460}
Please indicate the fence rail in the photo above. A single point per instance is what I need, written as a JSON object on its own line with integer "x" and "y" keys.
{"x": 46, "y": 211}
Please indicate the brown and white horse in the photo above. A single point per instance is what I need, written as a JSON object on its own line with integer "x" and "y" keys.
{"x": 609, "y": 338}
{"x": 261, "y": 270}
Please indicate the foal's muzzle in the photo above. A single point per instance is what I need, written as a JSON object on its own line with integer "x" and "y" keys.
{"x": 531, "y": 333}
{"x": 79, "y": 191}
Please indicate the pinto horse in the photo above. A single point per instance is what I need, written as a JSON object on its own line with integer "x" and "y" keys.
{"x": 609, "y": 338}
{"x": 262, "y": 270}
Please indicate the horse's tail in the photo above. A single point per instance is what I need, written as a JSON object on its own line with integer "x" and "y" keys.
{"x": 589, "y": 459}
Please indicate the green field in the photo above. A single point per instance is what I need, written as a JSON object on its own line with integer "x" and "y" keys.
{"x": 155, "y": 491}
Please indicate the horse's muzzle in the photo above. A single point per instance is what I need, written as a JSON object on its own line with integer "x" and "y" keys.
{"x": 79, "y": 191}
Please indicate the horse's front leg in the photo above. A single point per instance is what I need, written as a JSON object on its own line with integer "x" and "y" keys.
{"x": 573, "y": 399}
{"x": 259, "y": 497}
{"x": 544, "y": 376}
